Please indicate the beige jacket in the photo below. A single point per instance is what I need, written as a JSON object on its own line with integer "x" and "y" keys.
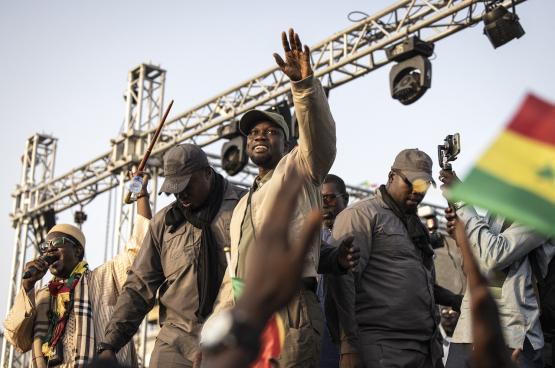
{"x": 315, "y": 154}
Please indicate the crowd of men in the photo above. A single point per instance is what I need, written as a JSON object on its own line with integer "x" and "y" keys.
{"x": 361, "y": 292}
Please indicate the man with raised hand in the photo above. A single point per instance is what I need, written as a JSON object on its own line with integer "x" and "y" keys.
{"x": 268, "y": 147}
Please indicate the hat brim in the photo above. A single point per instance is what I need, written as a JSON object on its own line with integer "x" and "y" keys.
{"x": 422, "y": 175}
{"x": 169, "y": 184}
{"x": 252, "y": 117}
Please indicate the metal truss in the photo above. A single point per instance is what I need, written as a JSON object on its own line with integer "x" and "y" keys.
{"x": 38, "y": 166}
{"x": 341, "y": 58}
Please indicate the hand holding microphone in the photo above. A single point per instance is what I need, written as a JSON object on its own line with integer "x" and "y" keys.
{"x": 35, "y": 270}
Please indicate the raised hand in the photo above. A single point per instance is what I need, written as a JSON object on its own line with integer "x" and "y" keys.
{"x": 297, "y": 62}
{"x": 42, "y": 266}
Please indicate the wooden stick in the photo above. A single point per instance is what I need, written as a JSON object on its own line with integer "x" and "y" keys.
{"x": 128, "y": 199}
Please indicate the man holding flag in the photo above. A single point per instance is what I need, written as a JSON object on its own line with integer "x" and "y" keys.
{"x": 514, "y": 178}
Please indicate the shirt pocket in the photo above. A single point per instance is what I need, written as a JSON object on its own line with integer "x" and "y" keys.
{"x": 387, "y": 239}
{"x": 179, "y": 251}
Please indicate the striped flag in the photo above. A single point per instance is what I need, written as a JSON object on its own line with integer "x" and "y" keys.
{"x": 516, "y": 176}
{"x": 272, "y": 337}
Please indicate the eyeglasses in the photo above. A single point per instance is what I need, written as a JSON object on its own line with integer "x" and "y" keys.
{"x": 56, "y": 243}
{"x": 330, "y": 198}
{"x": 420, "y": 188}
{"x": 449, "y": 312}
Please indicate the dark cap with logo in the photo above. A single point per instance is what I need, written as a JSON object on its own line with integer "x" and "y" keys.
{"x": 254, "y": 116}
{"x": 415, "y": 164}
{"x": 180, "y": 163}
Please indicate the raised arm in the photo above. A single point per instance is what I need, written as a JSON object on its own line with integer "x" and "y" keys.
{"x": 496, "y": 252}
{"x": 317, "y": 137}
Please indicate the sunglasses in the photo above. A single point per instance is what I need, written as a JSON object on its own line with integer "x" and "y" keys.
{"x": 422, "y": 188}
{"x": 55, "y": 243}
{"x": 331, "y": 198}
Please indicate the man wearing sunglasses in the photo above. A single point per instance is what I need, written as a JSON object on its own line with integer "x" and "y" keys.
{"x": 386, "y": 314}
{"x": 61, "y": 322}
{"x": 182, "y": 260}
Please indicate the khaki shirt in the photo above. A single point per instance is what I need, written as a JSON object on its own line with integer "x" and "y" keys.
{"x": 315, "y": 154}
{"x": 167, "y": 263}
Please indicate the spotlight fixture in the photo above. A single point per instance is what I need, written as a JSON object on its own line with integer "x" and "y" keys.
{"x": 42, "y": 223}
{"x": 501, "y": 26}
{"x": 234, "y": 153}
{"x": 429, "y": 215}
{"x": 412, "y": 76}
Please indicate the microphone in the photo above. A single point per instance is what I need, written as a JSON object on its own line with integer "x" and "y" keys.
{"x": 33, "y": 270}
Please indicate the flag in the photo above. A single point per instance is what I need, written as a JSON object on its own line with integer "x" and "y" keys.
{"x": 272, "y": 337}
{"x": 516, "y": 176}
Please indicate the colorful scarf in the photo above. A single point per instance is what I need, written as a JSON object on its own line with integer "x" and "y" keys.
{"x": 59, "y": 313}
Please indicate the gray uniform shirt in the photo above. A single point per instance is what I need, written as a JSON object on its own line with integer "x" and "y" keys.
{"x": 168, "y": 262}
{"x": 390, "y": 300}
{"x": 508, "y": 250}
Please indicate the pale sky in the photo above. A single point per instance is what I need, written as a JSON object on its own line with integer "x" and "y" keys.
{"x": 65, "y": 68}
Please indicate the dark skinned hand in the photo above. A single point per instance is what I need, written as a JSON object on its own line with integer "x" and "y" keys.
{"x": 297, "y": 63}
{"x": 351, "y": 361}
{"x": 143, "y": 203}
{"x": 448, "y": 179}
{"x": 42, "y": 266}
{"x": 348, "y": 254}
{"x": 489, "y": 346}
{"x": 450, "y": 216}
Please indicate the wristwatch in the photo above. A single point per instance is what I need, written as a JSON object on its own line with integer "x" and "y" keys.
{"x": 103, "y": 346}
{"x": 231, "y": 330}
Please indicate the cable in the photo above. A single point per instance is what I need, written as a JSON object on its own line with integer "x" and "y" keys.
{"x": 356, "y": 12}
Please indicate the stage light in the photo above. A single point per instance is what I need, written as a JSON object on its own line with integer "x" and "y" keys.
{"x": 234, "y": 154}
{"x": 42, "y": 223}
{"x": 412, "y": 76}
{"x": 501, "y": 26}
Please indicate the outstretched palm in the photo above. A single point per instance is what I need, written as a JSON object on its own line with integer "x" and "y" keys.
{"x": 297, "y": 62}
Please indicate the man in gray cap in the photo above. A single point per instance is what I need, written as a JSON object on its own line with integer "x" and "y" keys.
{"x": 268, "y": 148}
{"x": 182, "y": 259}
{"x": 385, "y": 315}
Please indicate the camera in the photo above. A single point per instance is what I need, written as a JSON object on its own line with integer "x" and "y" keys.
{"x": 428, "y": 214}
{"x": 448, "y": 151}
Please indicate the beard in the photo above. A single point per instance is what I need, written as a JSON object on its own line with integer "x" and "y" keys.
{"x": 261, "y": 160}
{"x": 409, "y": 210}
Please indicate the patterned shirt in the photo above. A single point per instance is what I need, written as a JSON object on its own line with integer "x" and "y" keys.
{"x": 105, "y": 285}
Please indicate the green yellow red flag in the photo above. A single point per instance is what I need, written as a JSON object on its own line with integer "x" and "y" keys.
{"x": 272, "y": 337}
{"x": 516, "y": 176}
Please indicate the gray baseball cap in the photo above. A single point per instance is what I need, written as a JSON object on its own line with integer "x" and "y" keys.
{"x": 180, "y": 163}
{"x": 415, "y": 164}
{"x": 254, "y": 116}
